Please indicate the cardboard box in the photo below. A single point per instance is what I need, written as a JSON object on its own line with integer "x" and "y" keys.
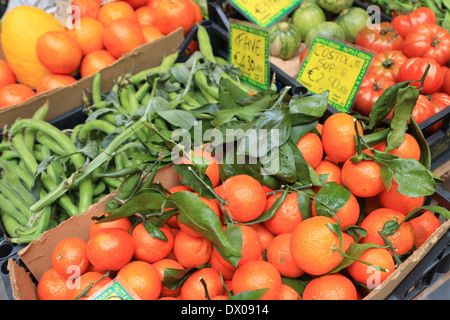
{"x": 63, "y": 100}
{"x": 36, "y": 256}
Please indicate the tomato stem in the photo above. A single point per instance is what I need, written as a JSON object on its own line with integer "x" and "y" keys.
{"x": 389, "y": 63}
{"x": 435, "y": 42}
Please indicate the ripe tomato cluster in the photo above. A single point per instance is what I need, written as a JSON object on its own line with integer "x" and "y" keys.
{"x": 405, "y": 48}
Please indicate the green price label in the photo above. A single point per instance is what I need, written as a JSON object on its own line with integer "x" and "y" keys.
{"x": 335, "y": 67}
{"x": 265, "y": 12}
{"x": 115, "y": 290}
{"x": 249, "y": 50}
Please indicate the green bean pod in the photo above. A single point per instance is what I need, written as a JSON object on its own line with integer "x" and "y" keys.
{"x": 124, "y": 98}
{"x": 142, "y": 91}
{"x": 29, "y": 134}
{"x": 96, "y": 125}
{"x": 168, "y": 61}
{"x": 64, "y": 201}
{"x": 10, "y": 155}
{"x": 11, "y": 224}
{"x": 15, "y": 199}
{"x": 9, "y": 209}
{"x": 133, "y": 103}
{"x": 202, "y": 83}
{"x": 50, "y": 143}
{"x": 204, "y": 43}
{"x": 96, "y": 88}
{"x": 99, "y": 189}
{"x": 23, "y": 174}
{"x": 25, "y": 155}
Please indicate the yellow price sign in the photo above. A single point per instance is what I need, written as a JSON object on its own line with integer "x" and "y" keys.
{"x": 335, "y": 67}
{"x": 249, "y": 50}
{"x": 265, "y": 12}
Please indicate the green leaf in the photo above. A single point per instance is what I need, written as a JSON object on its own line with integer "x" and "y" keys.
{"x": 249, "y": 295}
{"x": 356, "y": 232}
{"x": 146, "y": 199}
{"x": 234, "y": 234}
{"x": 298, "y": 284}
{"x": 331, "y": 198}
{"x": 354, "y": 252}
{"x": 272, "y": 129}
{"x": 304, "y": 202}
{"x": 233, "y": 165}
{"x": 406, "y": 100}
{"x": 390, "y": 228}
{"x": 188, "y": 178}
{"x": 414, "y": 180}
{"x": 384, "y": 105}
{"x": 425, "y": 153}
{"x": 230, "y": 94}
{"x": 280, "y": 163}
{"x": 308, "y": 109}
{"x": 416, "y": 212}
{"x": 246, "y": 114}
{"x": 178, "y": 118}
{"x": 154, "y": 231}
{"x": 298, "y": 131}
{"x": 174, "y": 278}
{"x": 194, "y": 213}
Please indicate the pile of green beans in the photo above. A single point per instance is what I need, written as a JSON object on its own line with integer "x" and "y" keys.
{"x": 48, "y": 175}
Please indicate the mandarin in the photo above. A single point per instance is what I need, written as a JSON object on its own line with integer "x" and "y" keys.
{"x": 287, "y": 217}
{"x": 245, "y": 197}
{"x": 338, "y": 136}
{"x": 257, "y": 274}
{"x": 148, "y": 248}
{"x": 110, "y": 249}
{"x": 142, "y": 278}
{"x": 312, "y": 244}
{"x": 402, "y": 240}
{"x": 330, "y": 287}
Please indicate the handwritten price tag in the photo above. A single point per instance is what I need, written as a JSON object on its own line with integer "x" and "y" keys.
{"x": 264, "y": 12}
{"x": 249, "y": 50}
{"x": 334, "y": 67}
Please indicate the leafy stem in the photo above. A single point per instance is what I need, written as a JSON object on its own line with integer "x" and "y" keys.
{"x": 211, "y": 190}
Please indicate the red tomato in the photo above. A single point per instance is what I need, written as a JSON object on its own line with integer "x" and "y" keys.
{"x": 404, "y": 23}
{"x": 444, "y": 71}
{"x": 172, "y": 14}
{"x": 423, "y": 109}
{"x": 387, "y": 64}
{"x": 439, "y": 101}
{"x": 446, "y": 82}
{"x": 414, "y": 69}
{"x": 372, "y": 87}
{"x": 379, "y": 38}
{"x": 303, "y": 56}
{"x": 428, "y": 41}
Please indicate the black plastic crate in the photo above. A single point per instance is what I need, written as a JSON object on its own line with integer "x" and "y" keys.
{"x": 434, "y": 265}
{"x": 7, "y": 251}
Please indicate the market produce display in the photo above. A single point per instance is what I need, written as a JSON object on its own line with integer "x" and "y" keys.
{"x": 277, "y": 197}
{"x": 43, "y": 54}
{"x": 222, "y": 207}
